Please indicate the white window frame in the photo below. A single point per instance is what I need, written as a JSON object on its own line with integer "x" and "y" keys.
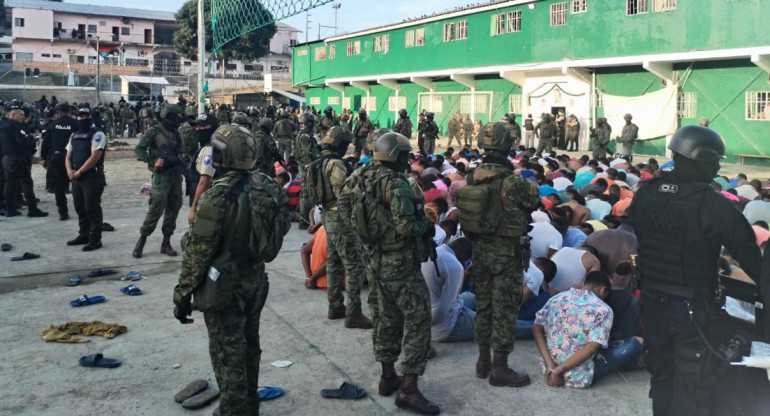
{"x": 320, "y": 53}
{"x": 419, "y": 37}
{"x": 579, "y": 6}
{"x": 635, "y": 7}
{"x": 332, "y": 51}
{"x": 461, "y": 30}
{"x": 659, "y": 6}
{"x": 88, "y": 29}
{"x": 449, "y": 32}
{"x": 498, "y": 24}
{"x": 687, "y": 105}
{"x": 758, "y": 105}
{"x": 333, "y": 101}
{"x": 357, "y": 47}
{"x": 378, "y": 43}
{"x": 559, "y": 14}
{"x": 514, "y": 104}
{"x": 350, "y": 48}
{"x": 409, "y": 39}
{"x": 18, "y": 22}
{"x": 302, "y": 52}
{"x": 315, "y": 101}
{"x": 385, "y": 43}
{"x": 438, "y": 104}
{"x": 513, "y": 21}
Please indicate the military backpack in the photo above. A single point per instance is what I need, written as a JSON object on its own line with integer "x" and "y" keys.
{"x": 480, "y": 205}
{"x": 283, "y": 129}
{"x": 369, "y": 216}
{"x": 319, "y": 188}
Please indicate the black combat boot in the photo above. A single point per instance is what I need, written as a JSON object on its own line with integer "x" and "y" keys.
{"x": 165, "y": 247}
{"x": 484, "y": 362}
{"x": 359, "y": 321}
{"x": 501, "y": 375}
{"x": 78, "y": 241}
{"x": 336, "y": 313}
{"x": 389, "y": 381}
{"x": 93, "y": 245}
{"x": 139, "y": 247}
{"x": 410, "y": 398}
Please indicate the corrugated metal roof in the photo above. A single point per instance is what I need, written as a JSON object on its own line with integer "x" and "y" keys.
{"x": 91, "y": 9}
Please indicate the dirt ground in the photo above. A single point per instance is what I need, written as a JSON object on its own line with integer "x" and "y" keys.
{"x": 42, "y": 378}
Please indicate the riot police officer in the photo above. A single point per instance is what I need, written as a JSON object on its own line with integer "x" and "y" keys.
{"x": 85, "y": 167}
{"x": 17, "y": 150}
{"x": 680, "y": 225}
{"x": 61, "y": 131}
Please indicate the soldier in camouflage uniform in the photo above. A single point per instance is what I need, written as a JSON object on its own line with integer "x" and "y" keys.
{"x": 266, "y": 144}
{"x": 145, "y": 116}
{"x": 364, "y": 126}
{"x": 404, "y": 124}
{"x": 467, "y": 130}
{"x": 254, "y": 120}
{"x": 223, "y": 115}
{"x": 600, "y": 137}
{"x": 327, "y": 122}
{"x": 284, "y": 131}
{"x": 305, "y": 151}
{"x": 108, "y": 119}
{"x": 232, "y": 316}
{"x": 453, "y": 129}
{"x": 498, "y": 257}
{"x": 343, "y": 247}
{"x": 627, "y": 138}
{"x": 128, "y": 117}
{"x": 546, "y": 131}
{"x": 404, "y": 299}
{"x": 513, "y": 128}
{"x": 190, "y": 149}
{"x": 166, "y": 196}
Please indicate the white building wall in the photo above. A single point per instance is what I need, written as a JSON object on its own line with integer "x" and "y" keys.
{"x": 38, "y": 24}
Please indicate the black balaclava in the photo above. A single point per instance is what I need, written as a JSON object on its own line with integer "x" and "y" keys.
{"x": 688, "y": 170}
{"x": 85, "y": 124}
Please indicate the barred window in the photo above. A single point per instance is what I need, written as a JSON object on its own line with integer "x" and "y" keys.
{"x": 514, "y": 103}
{"x": 371, "y": 104}
{"x": 462, "y": 29}
{"x": 637, "y": 7}
{"x": 758, "y": 105}
{"x": 333, "y": 101}
{"x": 449, "y": 32}
{"x": 514, "y": 21}
{"x": 332, "y": 51}
{"x": 320, "y": 53}
{"x": 498, "y": 24}
{"x": 579, "y": 6}
{"x": 350, "y": 48}
{"x": 419, "y": 37}
{"x": 346, "y": 102}
{"x": 378, "y": 43}
{"x": 315, "y": 100}
{"x": 559, "y": 14}
{"x": 687, "y": 105}
{"x": 438, "y": 104}
{"x": 357, "y": 47}
{"x": 409, "y": 38}
{"x": 385, "y": 43}
{"x": 663, "y": 5}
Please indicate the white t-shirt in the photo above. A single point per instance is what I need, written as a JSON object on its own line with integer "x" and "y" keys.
{"x": 444, "y": 287}
{"x": 98, "y": 142}
{"x": 561, "y": 184}
{"x": 205, "y": 161}
{"x": 569, "y": 268}
{"x": 544, "y": 237}
{"x": 747, "y": 191}
{"x": 533, "y": 278}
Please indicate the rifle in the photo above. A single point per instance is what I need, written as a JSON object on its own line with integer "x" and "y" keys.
{"x": 277, "y": 157}
{"x": 173, "y": 163}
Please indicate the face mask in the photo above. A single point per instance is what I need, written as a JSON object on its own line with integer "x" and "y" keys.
{"x": 85, "y": 124}
{"x": 203, "y": 136}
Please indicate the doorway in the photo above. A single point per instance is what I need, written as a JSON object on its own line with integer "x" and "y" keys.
{"x": 148, "y": 36}
{"x": 115, "y": 33}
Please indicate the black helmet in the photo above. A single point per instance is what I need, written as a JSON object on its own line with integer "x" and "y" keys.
{"x": 698, "y": 143}
{"x": 307, "y": 119}
{"x": 328, "y": 110}
{"x": 402, "y": 112}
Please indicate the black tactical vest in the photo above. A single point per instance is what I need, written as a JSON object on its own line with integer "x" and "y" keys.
{"x": 81, "y": 150}
{"x": 675, "y": 254}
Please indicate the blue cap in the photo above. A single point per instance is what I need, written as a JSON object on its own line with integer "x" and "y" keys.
{"x": 668, "y": 166}
{"x": 365, "y": 159}
{"x": 546, "y": 190}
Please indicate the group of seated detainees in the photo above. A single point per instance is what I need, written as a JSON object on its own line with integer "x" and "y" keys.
{"x": 580, "y": 303}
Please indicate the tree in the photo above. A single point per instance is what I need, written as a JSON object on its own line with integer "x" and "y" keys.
{"x": 248, "y": 47}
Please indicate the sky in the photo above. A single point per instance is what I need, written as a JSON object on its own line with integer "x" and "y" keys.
{"x": 353, "y": 15}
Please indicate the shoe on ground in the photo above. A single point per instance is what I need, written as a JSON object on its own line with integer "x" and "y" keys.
{"x": 359, "y": 321}
{"x": 12, "y": 213}
{"x": 338, "y": 313}
{"x": 64, "y": 216}
{"x": 92, "y": 246}
{"x": 78, "y": 241}
{"x": 37, "y": 213}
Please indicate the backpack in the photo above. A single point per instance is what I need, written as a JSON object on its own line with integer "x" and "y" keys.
{"x": 480, "y": 205}
{"x": 369, "y": 216}
{"x": 306, "y": 150}
{"x": 283, "y": 129}
{"x": 319, "y": 190}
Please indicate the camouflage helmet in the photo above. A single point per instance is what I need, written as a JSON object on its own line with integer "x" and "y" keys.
{"x": 494, "y": 136}
{"x": 266, "y": 123}
{"x": 254, "y": 111}
{"x": 234, "y": 147}
{"x": 374, "y": 135}
{"x": 191, "y": 111}
{"x": 402, "y": 112}
{"x": 241, "y": 118}
{"x": 389, "y": 146}
{"x": 337, "y": 137}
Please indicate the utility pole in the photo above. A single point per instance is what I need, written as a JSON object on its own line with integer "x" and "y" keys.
{"x": 201, "y": 60}
{"x": 98, "y": 70}
{"x": 307, "y": 26}
{"x": 336, "y": 7}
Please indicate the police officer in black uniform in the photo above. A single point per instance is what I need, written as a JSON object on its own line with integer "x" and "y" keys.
{"x": 85, "y": 167}
{"x": 55, "y": 151}
{"x": 17, "y": 149}
{"x": 681, "y": 225}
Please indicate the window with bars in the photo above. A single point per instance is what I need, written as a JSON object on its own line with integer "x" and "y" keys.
{"x": 303, "y": 52}
{"x": 419, "y": 37}
{"x": 315, "y": 100}
{"x": 514, "y": 21}
{"x": 350, "y": 48}
{"x": 449, "y": 32}
{"x": 481, "y": 104}
{"x": 559, "y": 14}
{"x": 514, "y": 103}
{"x": 320, "y": 53}
{"x": 687, "y": 105}
{"x": 333, "y": 101}
{"x": 498, "y": 24}
{"x": 378, "y": 43}
{"x": 438, "y": 104}
{"x": 396, "y": 104}
{"x": 637, "y": 7}
{"x": 462, "y": 30}
{"x": 332, "y": 51}
{"x": 758, "y": 105}
{"x": 409, "y": 39}
{"x": 346, "y": 102}
{"x": 385, "y": 43}
{"x": 371, "y": 104}
{"x": 598, "y": 99}
{"x": 663, "y": 5}
{"x": 579, "y": 6}
{"x": 357, "y": 47}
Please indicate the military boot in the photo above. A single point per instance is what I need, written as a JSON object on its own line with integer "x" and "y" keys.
{"x": 410, "y": 398}
{"x": 165, "y": 246}
{"x": 501, "y": 375}
{"x": 336, "y": 313}
{"x": 484, "y": 362}
{"x": 359, "y": 321}
{"x": 139, "y": 247}
{"x": 389, "y": 381}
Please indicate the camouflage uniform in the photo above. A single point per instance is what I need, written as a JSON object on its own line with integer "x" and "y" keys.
{"x": 233, "y": 330}
{"x": 190, "y": 150}
{"x": 266, "y": 143}
{"x": 303, "y": 144}
{"x": 453, "y": 130}
{"x": 166, "y": 196}
{"x": 360, "y": 133}
{"x": 600, "y": 137}
{"x": 547, "y": 131}
{"x": 467, "y": 130}
{"x": 145, "y": 115}
{"x": 326, "y": 124}
{"x": 404, "y": 127}
{"x": 284, "y": 131}
{"x": 128, "y": 117}
{"x": 627, "y": 138}
{"x": 108, "y": 119}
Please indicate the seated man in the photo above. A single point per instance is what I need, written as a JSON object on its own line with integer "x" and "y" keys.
{"x": 546, "y": 239}
{"x": 572, "y": 334}
{"x": 572, "y": 265}
{"x": 314, "y": 260}
{"x": 625, "y": 306}
{"x": 536, "y": 279}
{"x": 452, "y": 314}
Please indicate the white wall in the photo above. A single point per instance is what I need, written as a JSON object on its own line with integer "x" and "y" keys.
{"x": 38, "y": 24}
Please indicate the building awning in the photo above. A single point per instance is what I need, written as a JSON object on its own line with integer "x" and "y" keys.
{"x": 144, "y": 80}
{"x": 289, "y": 95}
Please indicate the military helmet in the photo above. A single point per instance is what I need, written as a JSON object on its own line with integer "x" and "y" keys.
{"x": 191, "y": 111}
{"x": 430, "y": 115}
{"x": 328, "y": 110}
{"x": 241, "y": 118}
{"x": 254, "y": 111}
{"x": 284, "y": 114}
{"x": 627, "y": 117}
{"x": 337, "y": 137}
{"x": 234, "y": 147}
{"x": 307, "y": 118}
{"x": 494, "y": 136}
{"x": 402, "y": 112}
{"x": 373, "y": 136}
{"x": 266, "y": 123}
{"x": 169, "y": 110}
{"x": 698, "y": 143}
{"x": 389, "y": 146}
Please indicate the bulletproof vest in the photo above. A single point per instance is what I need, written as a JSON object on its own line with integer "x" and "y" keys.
{"x": 61, "y": 130}
{"x": 673, "y": 249}
{"x": 8, "y": 145}
{"x": 283, "y": 129}
{"x": 81, "y": 149}
{"x": 319, "y": 187}
{"x": 548, "y": 130}
{"x": 483, "y": 208}
{"x": 327, "y": 123}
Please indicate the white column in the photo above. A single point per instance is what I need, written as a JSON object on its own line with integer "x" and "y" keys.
{"x": 473, "y": 104}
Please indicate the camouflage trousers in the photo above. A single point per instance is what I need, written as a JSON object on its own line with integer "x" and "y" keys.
{"x": 498, "y": 281}
{"x": 599, "y": 152}
{"x": 165, "y": 200}
{"x": 343, "y": 260}
{"x": 544, "y": 144}
{"x": 372, "y": 274}
{"x": 454, "y": 135}
{"x": 360, "y": 145}
{"x": 404, "y": 303}
{"x": 305, "y": 204}
{"x": 234, "y": 350}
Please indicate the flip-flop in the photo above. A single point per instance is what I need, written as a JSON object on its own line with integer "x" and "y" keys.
{"x": 201, "y": 399}
{"x": 26, "y": 256}
{"x": 131, "y": 290}
{"x": 101, "y": 272}
{"x": 98, "y": 360}
{"x": 107, "y": 227}
{"x": 347, "y": 391}
{"x": 75, "y": 280}
{"x": 85, "y": 300}
{"x": 269, "y": 393}
{"x": 195, "y": 387}
{"x": 6, "y": 247}
{"x": 133, "y": 276}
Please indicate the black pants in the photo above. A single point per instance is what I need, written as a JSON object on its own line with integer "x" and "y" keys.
{"x": 686, "y": 377}
{"x": 17, "y": 172}
{"x": 421, "y": 143}
{"x": 87, "y": 198}
{"x": 61, "y": 181}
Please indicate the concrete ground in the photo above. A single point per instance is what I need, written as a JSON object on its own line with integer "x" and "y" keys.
{"x": 45, "y": 378}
